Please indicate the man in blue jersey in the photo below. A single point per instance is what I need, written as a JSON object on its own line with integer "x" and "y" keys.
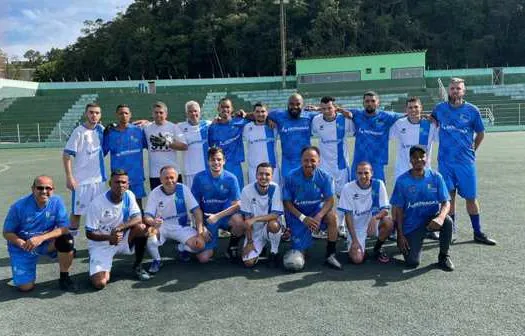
{"x": 217, "y": 192}
{"x": 36, "y": 225}
{"x": 124, "y": 142}
{"x": 308, "y": 197}
{"x": 226, "y": 133}
{"x": 372, "y": 127}
{"x": 461, "y": 132}
{"x": 420, "y": 204}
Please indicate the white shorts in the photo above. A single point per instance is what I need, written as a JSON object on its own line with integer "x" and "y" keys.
{"x": 361, "y": 235}
{"x": 340, "y": 179}
{"x": 176, "y": 232}
{"x": 101, "y": 254}
{"x": 276, "y": 177}
{"x": 188, "y": 179}
{"x": 83, "y": 195}
{"x": 260, "y": 239}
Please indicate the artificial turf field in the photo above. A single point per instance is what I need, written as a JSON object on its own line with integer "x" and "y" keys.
{"x": 485, "y": 295}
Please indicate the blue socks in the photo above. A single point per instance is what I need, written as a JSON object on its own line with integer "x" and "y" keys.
{"x": 476, "y": 226}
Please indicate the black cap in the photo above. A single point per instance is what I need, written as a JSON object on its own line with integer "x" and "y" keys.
{"x": 416, "y": 148}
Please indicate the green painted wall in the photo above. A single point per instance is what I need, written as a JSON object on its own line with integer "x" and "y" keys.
{"x": 362, "y": 63}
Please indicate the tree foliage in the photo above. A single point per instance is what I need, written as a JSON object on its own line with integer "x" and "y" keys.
{"x": 192, "y": 38}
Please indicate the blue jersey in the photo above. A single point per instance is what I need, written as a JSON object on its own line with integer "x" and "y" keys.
{"x": 371, "y": 135}
{"x": 420, "y": 198}
{"x": 228, "y": 136}
{"x": 215, "y": 194}
{"x": 308, "y": 193}
{"x": 125, "y": 148}
{"x": 294, "y": 132}
{"x": 27, "y": 220}
{"x": 457, "y": 126}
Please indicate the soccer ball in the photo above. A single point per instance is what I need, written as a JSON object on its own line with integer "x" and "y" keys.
{"x": 293, "y": 260}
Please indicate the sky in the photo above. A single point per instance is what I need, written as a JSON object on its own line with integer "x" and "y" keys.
{"x": 44, "y": 24}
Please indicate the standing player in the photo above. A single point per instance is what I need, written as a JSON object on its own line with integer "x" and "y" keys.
{"x": 195, "y": 133}
{"x": 410, "y": 131}
{"x": 261, "y": 206}
{"x": 226, "y": 133}
{"x": 372, "y": 128}
{"x": 458, "y": 122}
{"x": 308, "y": 197}
{"x": 114, "y": 226}
{"x": 261, "y": 141}
{"x": 365, "y": 204}
{"x": 420, "y": 204}
{"x": 125, "y": 142}
{"x": 36, "y": 225}
{"x": 166, "y": 215}
{"x": 217, "y": 192}
{"x": 85, "y": 175}
{"x": 162, "y": 138}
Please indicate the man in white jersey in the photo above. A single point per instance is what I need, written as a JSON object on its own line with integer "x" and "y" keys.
{"x": 365, "y": 204}
{"x": 410, "y": 131}
{"x": 163, "y": 140}
{"x": 114, "y": 226}
{"x": 85, "y": 174}
{"x": 261, "y": 140}
{"x": 195, "y": 133}
{"x": 261, "y": 207}
{"x": 166, "y": 215}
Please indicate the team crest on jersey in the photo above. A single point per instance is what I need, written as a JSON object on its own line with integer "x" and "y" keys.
{"x": 464, "y": 117}
{"x": 254, "y": 201}
{"x": 403, "y": 131}
{"x": 412, "y": 189}
{"x": 380, "y": 123}
{"x": 106, "y": 214}
{"x": 185, "y": 129}
{"x": 431, "y": 188}
{"x": 250, "y": 128}
{"x": 321, "y": 127}
{"x": 48, "y": 214}
{"x": 29, "y": 219}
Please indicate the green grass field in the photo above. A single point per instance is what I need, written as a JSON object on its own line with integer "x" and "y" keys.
{"x": 484, "y": 296}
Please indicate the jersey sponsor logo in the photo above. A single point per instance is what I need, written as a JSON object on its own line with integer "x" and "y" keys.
{"x": 356, "y": 196}
{"x": 452, "y": 128}
{"x": 369, "y": 132}
{"x": 106, "y": 214}
{"x": 431, "y": 188}
{"x": 229, "y": 141}
{"x": 413, "y": 205}
{"x": 295, "y": 129}
{"x": 321, "y": 127}
{"x": 403, "y": 131}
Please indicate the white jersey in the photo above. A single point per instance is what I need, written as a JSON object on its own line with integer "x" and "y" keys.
{"x": 261, "y": 140}
{"x": 359, "y": 203}
{"x": 408, "y": 134}
{"x": 332, "y": 141}
{"x": 159, "y": 157}
{"x": 103, "y": 215}
{"x": 86, "y": 146}
{"x": 165, "y": 206}
{"x": 196, "y": 137}
{"x": 254, "y": 204}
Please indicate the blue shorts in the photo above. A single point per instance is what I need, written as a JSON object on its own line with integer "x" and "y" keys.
{"x": 138, "y": 190}
{"x": 301, "y": 234}
{"x": 23, "y": 264}
{"x": 214, "y": 231}
{"x": 236, "y": 169}
{"x": 378, "y": 171}
{"x": 461, "y": 177}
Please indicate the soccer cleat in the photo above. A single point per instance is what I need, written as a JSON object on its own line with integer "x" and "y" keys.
{"x": 264, "y": 254}
{"x": 185, "y": 256}
{"x": 393, "y": 236}
{"x": 67, "y": 285}
{"x": 445, "y": 263}
{"x": 320, "y": 234}
{"x": 482, "y": 238}
{"x": 274, "y": 260}
{"x": 346, "y": 247}
{"x": 433, "y": 235}
{"x": 141, "y": 273}
{"x": 155, "y": 266}
{"x": 332, "y": 262}
{"x": 224, "y": 233}
{"x": 381, "y": 256}
{"x": 232, "y": 253}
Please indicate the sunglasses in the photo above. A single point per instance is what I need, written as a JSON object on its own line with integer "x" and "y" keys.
{"x": 42, "y": 188}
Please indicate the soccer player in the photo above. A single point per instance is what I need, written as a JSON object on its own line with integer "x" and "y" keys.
{"x": 261, "y": 141}
{"x": 308, "y": 197}
{"x": 410, "y": 131}
{"x": 195, "y": 133}
{"x": 125, "y": 142}
{"x": 163, "y": 138}
{"x": 294, "y": 128}
{"x": 166, "y": 215}
{"x": 365, "y": 205}
{"x": 114, "y": 226}
{"x": 461, "y": 132}
{"x": 420, "y": 204}
{"x": 36, "y": 225}
{"x": 226, "y": 133}
{"x": 217, "y": 192}
{"x": 372, "y": 128}
{"x": 85, "y": 174}
{"x": 261, "y": 206}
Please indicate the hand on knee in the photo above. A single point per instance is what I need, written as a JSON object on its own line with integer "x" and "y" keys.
{"x": 64, "y": 243}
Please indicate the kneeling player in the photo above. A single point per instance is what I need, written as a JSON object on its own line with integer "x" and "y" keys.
{"x": 308, "y": 197}
{"x": 167, "y": 217}
{"x": 261, "y": 206}
{"x": 114, "y": 226}
{"x": 217, "y": 192}
{"x": 36, "y": 225}
{"x": 365, "y": 205}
